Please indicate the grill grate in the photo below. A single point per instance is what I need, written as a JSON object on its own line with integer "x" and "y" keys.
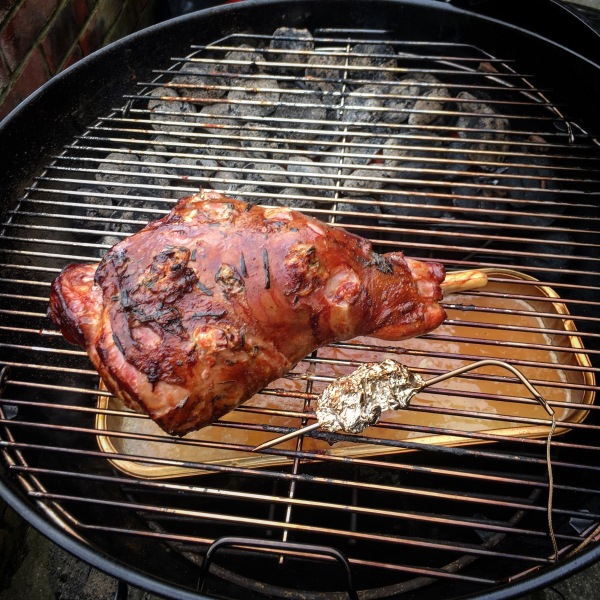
{"x": 440, "y": 150}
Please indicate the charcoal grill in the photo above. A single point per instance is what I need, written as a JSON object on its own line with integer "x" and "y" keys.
{"x": 498, "y": 170}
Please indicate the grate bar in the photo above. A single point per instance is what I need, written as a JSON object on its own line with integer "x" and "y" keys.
{"x": 475, "y": 166}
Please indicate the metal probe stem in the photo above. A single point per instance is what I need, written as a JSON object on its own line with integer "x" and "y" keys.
{"x": 429, "y": 382}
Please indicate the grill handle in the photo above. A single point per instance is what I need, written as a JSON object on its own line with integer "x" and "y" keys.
{"x": 552, "y": 19}
{"x": 290, "y": 547}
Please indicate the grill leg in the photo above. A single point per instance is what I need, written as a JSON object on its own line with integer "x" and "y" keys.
{"x": 121, "y": 591}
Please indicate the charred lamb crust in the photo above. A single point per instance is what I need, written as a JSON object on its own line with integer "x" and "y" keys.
{"x": 206, "y": 306}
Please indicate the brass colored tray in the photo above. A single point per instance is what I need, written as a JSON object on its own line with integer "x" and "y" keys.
{"x": 510, "y": 328}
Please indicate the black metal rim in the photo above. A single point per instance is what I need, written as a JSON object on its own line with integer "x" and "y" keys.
{"x": 95, "y": 558}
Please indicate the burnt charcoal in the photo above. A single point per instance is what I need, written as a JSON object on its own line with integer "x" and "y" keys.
{"x": 245, "y": 60}
{"x": 415, "y": 99}
{"x": 293, "y": 198}
{"x": 150, "y": 165}
{"x": 124, "y": 174}
{"x": 260, "y": 141}
{"x": 396, "y": 152}
{"x": 364, "y": 104}
{"x": 168, "y": 143}
{"x": 268, "y": 173}
{"x": 127, "y": 222}
{"x": 410, "y": 204}
{"x": 196, "y": 81}
{"x": 97, "y": 207}
{"x": 324, "y": 72}
{"x": 363, "y": 181}
{"x": 321, "y": 143}
{"x": 250, "y": 193}
{"x": 294, "y": 40}
{"x": 486, "y": 126}
{"x": 197, "y": 168}
{"x": 480, "y": 197}
{"x": 312, "y": 175}
{"x": 304, "y": 114}
{"x": 358, "y": 151}
{"x": 370, "y": 209}
{"x": 432, "y": 101}
{"x": 398, "y": 101}
{"x": 229, "y": 153}
{"x": 220, "y": 120}
{"x": 537, "y": 187}
{"x": 376, "y": 60}
{"x": 106, "y": 242}
{"x": 253, "y": 100}
{"x": 165, "y": 102}
{"x": 531, "y": 188}
{"x": 552, "y": 255}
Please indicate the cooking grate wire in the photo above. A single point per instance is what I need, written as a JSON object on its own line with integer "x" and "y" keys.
{"x": 471, "y": 194}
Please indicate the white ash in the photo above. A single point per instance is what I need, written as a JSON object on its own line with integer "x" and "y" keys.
{"x": 321, "y": 143}
{"x": 312, "y": 175}
{"x": 366, "y": 211}
{"x": 105, "y": 243}
{"x": 107, "y": 171}
{"x": 196, "y": 168}
{"x": 398, "y": 100}
{"x": 363, "y": 181}
{"x": 227, "y": 152}
{"x": 195, "y": 81}
{"x": 398, "y": 151}
{"x": 294, "y": 40}
{"x": 97, "y": 209}
{"x": 358, "y": 151}
{"x": 364, "y": 104}
{"x": 227, "y": 180}
{"x": 250, "y": 193}
{"x": 261, "y": 141}
{"x": 153, "y": 165}
{"x": 257, "y": 98}
{"x": 245, "y": 60}
{"x": 303, "y": 114}
{"x": 165, "y": 142}
{"x": 325, "y": 72}
{"x": 294, "y": 198}
{"x": 161, "y": 108}
{"x": 376, "y": 60}
{"x": 220, "y": 120}
{"x": 431, "y": 102}
{"x": 266, "y": 172}
{"x": 486, "y": 126}
{"x": 406, "y": 203}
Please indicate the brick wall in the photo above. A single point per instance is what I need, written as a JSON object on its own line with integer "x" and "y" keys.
{"x": 39, "y": 38}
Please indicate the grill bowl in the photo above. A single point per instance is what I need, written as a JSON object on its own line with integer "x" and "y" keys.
{"x": 437, "y": 501}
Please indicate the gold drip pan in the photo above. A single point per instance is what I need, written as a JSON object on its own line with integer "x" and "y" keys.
{"x": 513, "y": 320}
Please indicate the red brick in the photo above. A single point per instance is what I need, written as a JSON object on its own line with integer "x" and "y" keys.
{"x": 5, "y": 6}
{"x": 126, "y": 22}
{"x": 22, "y": 30}
{"x": 76, "y": 55}
{"x": 4, "y": 76}
{"x": 151, "y": 14}
{"x": 82, "y": 10}
{"x": 8, "y": 104}
{"x": 60, "y": 37}
{"x": 102, "y": 20}
{"x": 33, "y": 75}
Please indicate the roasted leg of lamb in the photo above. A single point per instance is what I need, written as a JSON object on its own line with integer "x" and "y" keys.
{"x": 201, "y": 309}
